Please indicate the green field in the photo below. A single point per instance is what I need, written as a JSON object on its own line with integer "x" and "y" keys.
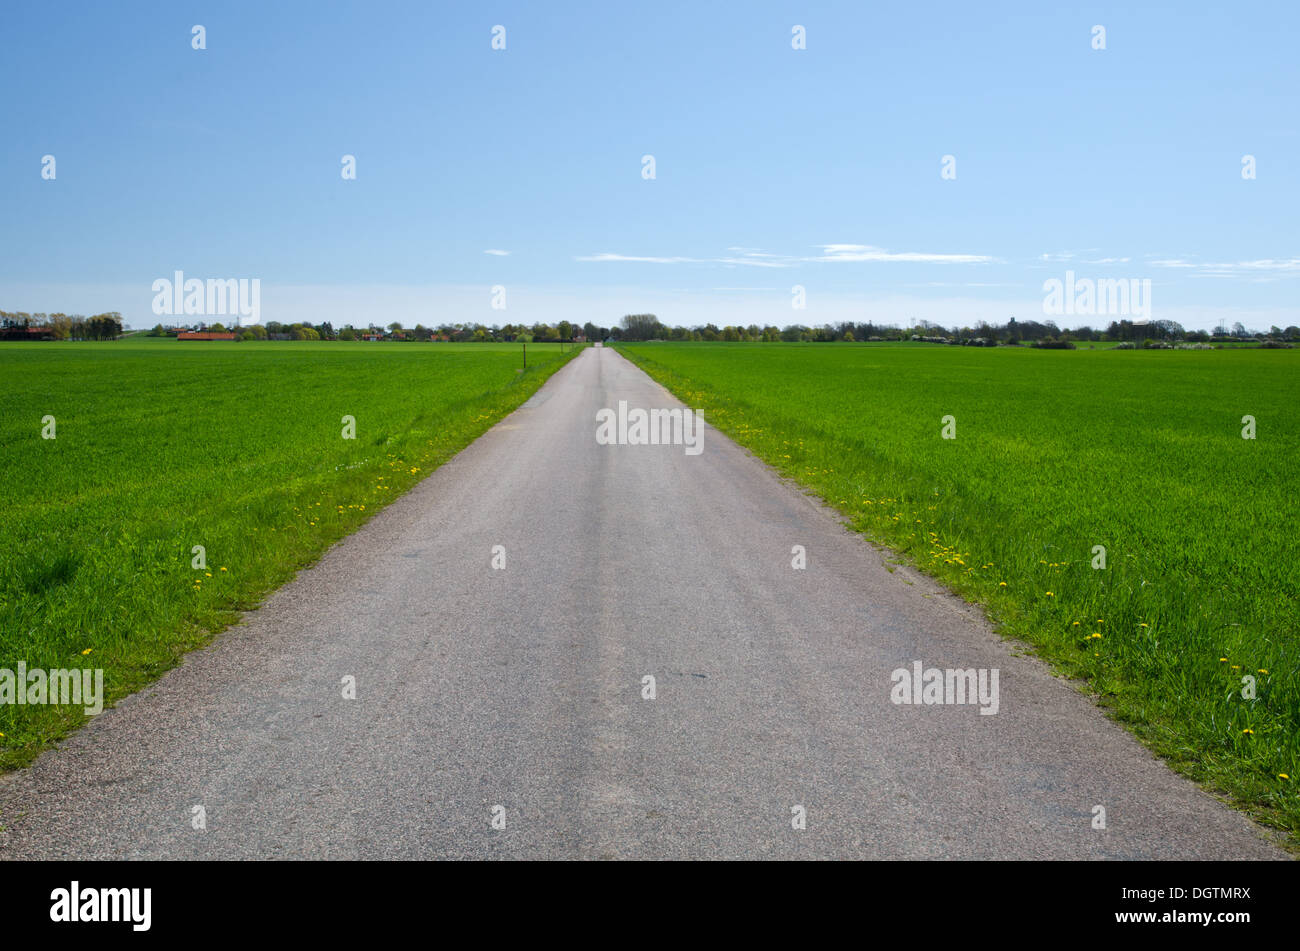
{"x": 162, "y": 445}
{"x": 1057, "y": 452}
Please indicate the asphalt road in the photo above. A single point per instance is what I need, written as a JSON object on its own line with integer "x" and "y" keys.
{"x": 522, "y": 688}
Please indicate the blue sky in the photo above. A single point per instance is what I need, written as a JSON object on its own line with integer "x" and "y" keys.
{"x": 774, "y": 167}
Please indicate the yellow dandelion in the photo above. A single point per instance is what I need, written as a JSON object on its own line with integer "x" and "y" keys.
{"x": 1075, "y": 624}
{"x": 1262, "y": 670}
{"x": 1002, "y": 584}
{"x": 1279, "y": 775}
{"x": 1050, "y": 595}
{"x": 1223, "y": 660}
{"x": 1248, "y": 731}
{"x": 87, "y": 651}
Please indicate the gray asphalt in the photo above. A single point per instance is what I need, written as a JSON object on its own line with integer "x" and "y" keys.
{"x": 522, "y": 688}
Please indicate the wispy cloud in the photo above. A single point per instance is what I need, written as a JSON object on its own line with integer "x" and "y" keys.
{"x": 497, "y": 251}
{"x": 866, "y": 252}
{"x": 751, "y": 259}
{"x": 640, "y": 259}
{"x": 831, "y": 253}
{"x": 1275, "y": 267}
{"x": 1064, "y": 257}
{"x": 963, "y": 284}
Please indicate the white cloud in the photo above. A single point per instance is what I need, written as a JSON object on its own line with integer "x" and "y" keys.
{"x": 608, "y": 256}
{"x": 866, "y": 252}
{"x": 755, "y": 261}
{"x": 832, "y": 253}
{"x": 1235, "y": 268}
{"x": 499, "y": 253}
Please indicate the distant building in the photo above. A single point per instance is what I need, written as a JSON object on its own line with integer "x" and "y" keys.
{"x": 26, "y": 333}
{"x": 204, "y": 335}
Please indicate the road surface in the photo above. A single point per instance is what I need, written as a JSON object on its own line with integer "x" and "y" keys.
{"x": 522, "y": 688}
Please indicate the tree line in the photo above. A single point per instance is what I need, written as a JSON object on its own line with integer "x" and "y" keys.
{"x": 649, "y": 327}
{"x": 20, "y": 325}
{"x": 634, "y": 327}
{"x": 564, "y": 331}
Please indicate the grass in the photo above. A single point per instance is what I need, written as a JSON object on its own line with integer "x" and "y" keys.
{"x": 1057, "y": 452}
{"x": 161, "y": 446}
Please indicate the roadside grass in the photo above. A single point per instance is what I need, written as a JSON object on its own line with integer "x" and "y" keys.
{"x": 161, "y": 446}
{"x": 1057, "y": 452}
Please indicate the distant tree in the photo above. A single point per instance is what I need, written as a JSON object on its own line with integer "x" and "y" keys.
{"x": 641, "y": 327}
{"x": 1168, "y": 329}
{"x": 104, "y": 326}
{"x": 60, "y": 326}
